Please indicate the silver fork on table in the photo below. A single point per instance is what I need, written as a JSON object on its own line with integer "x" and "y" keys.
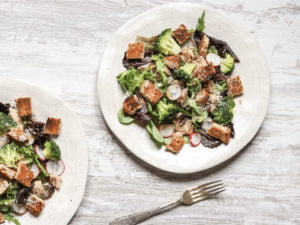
{"x": 189, "y": 197}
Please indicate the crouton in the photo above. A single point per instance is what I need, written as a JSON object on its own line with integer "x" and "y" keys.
{"x": 38, "y": 188}
{"x": 2, "y": 219}
{"x": 204, "y": 72}
{"x": 188, "y": 54}
{"x": 131, "y": 104}
{"x": 135, "y": 51}
{"x": 150, "y": 91}
{"x": 6, "y": 172}
{"x": 18, "y": 134}
{"x": 181, "y": 34}
{"x": 213, "y": 102}
{"x": 219, "y": 132}
{"x": 34, "y": 205}
{"x": 55, "y": 181}
{"x": 52, "y": 126}
{"x": 176, "y": 143}
{"x": 202, "y": 97}
{"x": 13, "y": 113}
{"x": 3, "y": 185}
{"x": 173, "y": 62}
{"x": 185, "y": 126}
{"x": 203, "y": 45}
{"x": 24, "y": 175}
{"x": 235, "y": 86}
{"x": 24, "y": 106}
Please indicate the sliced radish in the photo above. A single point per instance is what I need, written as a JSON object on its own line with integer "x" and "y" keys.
{"x": 174, "y": 92}
{"x": 55, "y": 167}
{"x": 213, "y": 58}
{"x": 195, "y": 139}
{"x": 166, "y": 130}
{"x": 35, "y": 169}
{"x": 19, "y": 208}
{"x": 39, "y": 152}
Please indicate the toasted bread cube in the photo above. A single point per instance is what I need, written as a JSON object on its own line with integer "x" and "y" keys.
{"x": 202, "y": 97}
{"x": 55, "y": 181}
{"x": 188, "y": 54}
{"x": 6, "y": 172}
{"x": 173, "y": 62}
{"x": 204, "y": 72}
{"x": 13, "y": 113}
{"x": 150, "y": 91}
{"x": 185, "y": 126}
{"x": 18, "y": 134}
{"x": 219, "y": 132}
{"x": 235, "y": 86}
{"x": 135, "y": 51}
{"x": 176, "y": 143}
{"x": 131, "y": 104}
{"x": 203, "y": 45}
{"x": 52, "y": 126}
{"x": 3, "y": 185}
{"x": 24, "y": 106}
{"x": 34, "y": 205}
{"x": 24, "y": 175}
{"x": 181, "y": 34}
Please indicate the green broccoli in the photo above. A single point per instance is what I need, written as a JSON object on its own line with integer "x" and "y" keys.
{"x": 165, "y": 112}
{"x": 194, "y": 86}
{"x": 212, "y": 49}
{"x": 166, "y": 44}
{"x": 220, "y": 86}
{"x": 198, "y": 114}
{"x": 52, "y": 150}
{"x": 227, "y": 64}
{"x": 6, "y": 123}
{"x": 130, "y": 79}
{"x": 27, "y": 152}
{"x": 9, "y": 155}
{"x": 184, "y": 72}
{"x": 223, "y": 114}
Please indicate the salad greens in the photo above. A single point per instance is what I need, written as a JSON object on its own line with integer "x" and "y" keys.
{"x": 201, "y": 22}
{"x": 124, "y": 119}
{"x": 6, "y": 123}
{"x": 223, "y": 114}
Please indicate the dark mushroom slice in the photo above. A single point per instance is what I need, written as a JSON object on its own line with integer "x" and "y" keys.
{"x": 22, "y": 195}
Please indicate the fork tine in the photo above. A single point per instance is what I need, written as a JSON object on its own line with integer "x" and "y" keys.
{"x": 203, "y": 185}
{"x": 201, "y": 198}
{"x": 205, "y": 193}
{"x": 206, "y": 188}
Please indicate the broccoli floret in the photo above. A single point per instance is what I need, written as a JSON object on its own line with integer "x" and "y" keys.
{"x": 27, "y": 152}
{"x": 9, "y": 155}
{"x": 184, "y": 72}
{"x": 212, "y": 49}
{"x": 166, "y": 44}
{"x": 198, "y": 114}
{"x": 223, "y": 114}
{"x": 130, "y": 79}
{"x": 220, "y": 86}
{"x": 52, "y": 150}
{"x": 227, "y": 64}
{"x": 166, "y": 111}
{"x": 6, "y": 123}
{"x": 194, "y": 86}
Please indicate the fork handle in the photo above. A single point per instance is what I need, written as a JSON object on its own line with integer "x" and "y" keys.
{"x": 141, "y": 216}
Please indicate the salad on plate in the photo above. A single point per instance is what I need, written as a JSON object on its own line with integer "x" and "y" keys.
{"x": 179, "y": 86}
{"x": 30, "y": 160}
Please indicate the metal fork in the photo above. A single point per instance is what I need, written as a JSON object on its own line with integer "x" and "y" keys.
{"x": 189, "y": 197}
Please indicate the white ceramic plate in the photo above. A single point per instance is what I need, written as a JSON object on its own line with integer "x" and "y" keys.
{"x": 64, "y": 203}
{"x": 253, "y": 70}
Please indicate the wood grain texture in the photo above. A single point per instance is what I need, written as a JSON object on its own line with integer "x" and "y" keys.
{"x": 58, "y": 44}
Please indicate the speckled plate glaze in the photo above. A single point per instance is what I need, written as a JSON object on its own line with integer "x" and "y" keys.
{"x": 250, "y": 108}
{"x": 64, "y": 203}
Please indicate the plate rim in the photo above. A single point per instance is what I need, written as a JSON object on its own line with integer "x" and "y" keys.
{"x": 84, "y": 142}
{"x": 250, "y": 136}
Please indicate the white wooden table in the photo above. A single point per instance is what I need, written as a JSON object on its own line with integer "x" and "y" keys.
{"x": 58, "y": 44}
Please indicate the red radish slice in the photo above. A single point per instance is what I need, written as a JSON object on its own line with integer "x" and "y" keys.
{"x": 35, "y": 169}
{"x": 213, "y": 58}
{"x": 39, "y": 152}
{"x": 55, "y": 167}
{"x": 195, "y": 139}
{"x": 174, "y": 92}
{"x": 19, "y": 208}
{"x": 166, "y": 130}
